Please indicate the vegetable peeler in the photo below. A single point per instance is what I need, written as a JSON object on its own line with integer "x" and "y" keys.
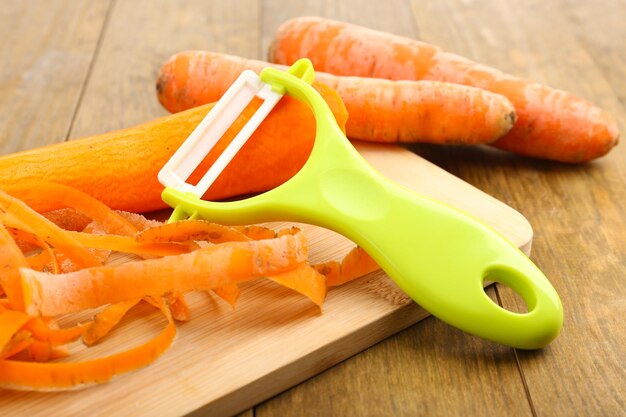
{"x": 436, "y": 254}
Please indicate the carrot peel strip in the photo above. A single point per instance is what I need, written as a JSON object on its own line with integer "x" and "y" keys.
{"x": 105, "y": 320}
{"x": 11, "y": 259}
{"x": 305, "y": 280}
{"x": 19, "y": 342}
{"x": 229, "y": 293}
{"x": 42, "y": 332}
{"x": 67, "y": 375}
{"x": 191, "y": 230}
{"x": 355, "y": 264}
{"x": 10, "y": 322}
{"x": 178, "y": 306}
{"x": 73, "y": 198}
{"x": 44, "y": 227}
{"x": 203, "y": 269}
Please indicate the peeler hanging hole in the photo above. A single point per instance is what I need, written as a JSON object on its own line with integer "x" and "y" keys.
{"x": 515, "y": 303}
{"x": 512, "y": 284}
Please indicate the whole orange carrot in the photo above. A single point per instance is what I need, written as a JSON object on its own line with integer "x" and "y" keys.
{"x": 551, "y": 123}
{"x": 380, "y": 110}
{"x": 120, "y": 168}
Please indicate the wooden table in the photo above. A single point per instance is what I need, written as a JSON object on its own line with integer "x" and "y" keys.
{"x": 75, "y": 68}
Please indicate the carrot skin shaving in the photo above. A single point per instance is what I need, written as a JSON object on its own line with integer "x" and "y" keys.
{"x": 45, "y": 258}
{"x": 68, "y": 219}
{"x": 128, "y": 244}
{"x": 187, "y": 230}
{"x": 203, "y": 269}
{"x": 229, "y": 293}
{"x": 178, "y": 306}
{"x": 11, "y": 259}
{"x": 105, "y": 320}
{"x": 42, "y": 332}
{"x": 256, "y": 232}
{"x": 34, "y": 192}
{"x": 62, "y": 376}
{"x": 305, "y": 280}
{"x": 354, "y": 265}
{"x": 52, "y": 233}
{"x": 19, "y": 343}
{"x": 10, "y": 322}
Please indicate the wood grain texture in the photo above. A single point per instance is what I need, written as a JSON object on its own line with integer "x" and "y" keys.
{"x": 577, "y": 211}
{"x": 46, "y": 51}
{"x": 139, "y": 38}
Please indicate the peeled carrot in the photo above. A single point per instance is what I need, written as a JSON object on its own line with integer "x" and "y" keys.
{"x": 380, "y": 110}
{"x": 120, "y": 168}
{"x": 551, "y": 124}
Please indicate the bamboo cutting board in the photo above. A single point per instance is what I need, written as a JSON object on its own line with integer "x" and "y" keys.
{"x": 223, "y": 361}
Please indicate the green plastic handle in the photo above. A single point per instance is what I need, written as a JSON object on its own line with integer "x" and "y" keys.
{"x": 436, "y": 254}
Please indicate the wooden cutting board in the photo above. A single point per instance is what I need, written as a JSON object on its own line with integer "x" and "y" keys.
{"x": 223, "y": 361}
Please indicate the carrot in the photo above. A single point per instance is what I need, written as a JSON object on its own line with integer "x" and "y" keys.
{"x": 354, "y": 265}
{"x": 120, "y": 168}
{"x": 128, "y": 244}
{"x": 380, "y": 110}
{"x": 41, "y": 330}
{"x": 178, "y": 306}
{"x": 105, "y": 320}
{"x": 11, "y": 259}
{"x": 191, "y": 230}
{"x": 53, "y": 234}
{"x": 551, "y": 124}
{"x": 34, "y": 192}
{"x": 229, "y": 293}
{"x": 10, "y": 322}
{"x": 203, "y": 269}
{"x": 68, "y": 219}
{"x": 305, "y": 280}
{"x": 20, "y": 341}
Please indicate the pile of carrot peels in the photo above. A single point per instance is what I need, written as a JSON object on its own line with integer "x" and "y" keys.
{"x": 55, "y": 263}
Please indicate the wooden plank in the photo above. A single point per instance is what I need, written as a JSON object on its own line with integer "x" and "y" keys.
{"x": 46, "y": 51}
{"x": 414, "y": 373}
{"x": 577, "y": 211}
{"x": 140, "y": 37}
{"x": 366, "y": 395}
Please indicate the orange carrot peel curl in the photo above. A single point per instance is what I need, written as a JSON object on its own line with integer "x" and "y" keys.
{"x": 203, "y": 269}
{"x": 61, "y": 376}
